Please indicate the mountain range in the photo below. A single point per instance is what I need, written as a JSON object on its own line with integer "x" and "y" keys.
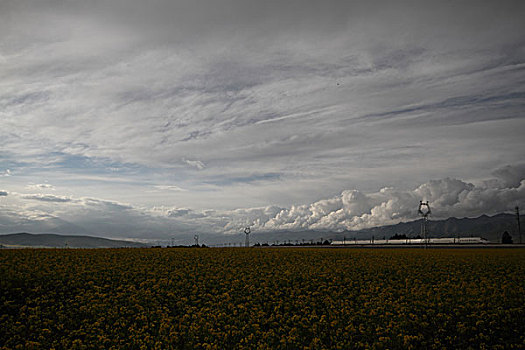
{"x": 489, "y": 227}
{"x": 50, "y": 240}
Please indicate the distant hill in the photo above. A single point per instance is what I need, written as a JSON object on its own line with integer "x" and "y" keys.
{"x": 489, "y": 227}
{"x": 50, "y": 240}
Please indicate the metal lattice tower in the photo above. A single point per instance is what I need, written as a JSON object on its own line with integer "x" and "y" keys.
{"x": 247, "y": 231}
{"x": 196, "y": 238}
{"x": 424, "y": 211}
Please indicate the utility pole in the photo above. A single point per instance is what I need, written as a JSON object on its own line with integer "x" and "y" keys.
{"x": 518, "y": 218}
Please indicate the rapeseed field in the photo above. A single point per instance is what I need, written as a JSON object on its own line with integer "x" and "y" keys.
{"x": 247, "y": 298}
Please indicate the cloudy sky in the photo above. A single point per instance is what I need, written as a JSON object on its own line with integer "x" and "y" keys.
{"x": 127, "y": 118}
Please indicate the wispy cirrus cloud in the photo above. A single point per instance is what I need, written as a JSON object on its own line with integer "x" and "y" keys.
{"x": 169, "y": 188}
{"x": 195, "y": 163}
{"x": 47, "y": 198}
{"x": 40, "y": 187}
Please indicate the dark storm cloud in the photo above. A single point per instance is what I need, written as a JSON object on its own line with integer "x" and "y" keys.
{"x": 511, "y": 175}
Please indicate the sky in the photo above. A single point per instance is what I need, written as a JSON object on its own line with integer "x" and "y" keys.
{"x": 148, "y": 120}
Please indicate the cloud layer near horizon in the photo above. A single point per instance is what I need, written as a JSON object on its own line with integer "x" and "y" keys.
{"x": 351, "y": 210}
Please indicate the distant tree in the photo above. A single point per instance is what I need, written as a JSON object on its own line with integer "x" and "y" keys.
{"x": 506, "y": 238}
{"x": 398, "y": 236}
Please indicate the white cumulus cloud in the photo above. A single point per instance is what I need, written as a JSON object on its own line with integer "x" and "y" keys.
{"x": 354, "y": 210}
